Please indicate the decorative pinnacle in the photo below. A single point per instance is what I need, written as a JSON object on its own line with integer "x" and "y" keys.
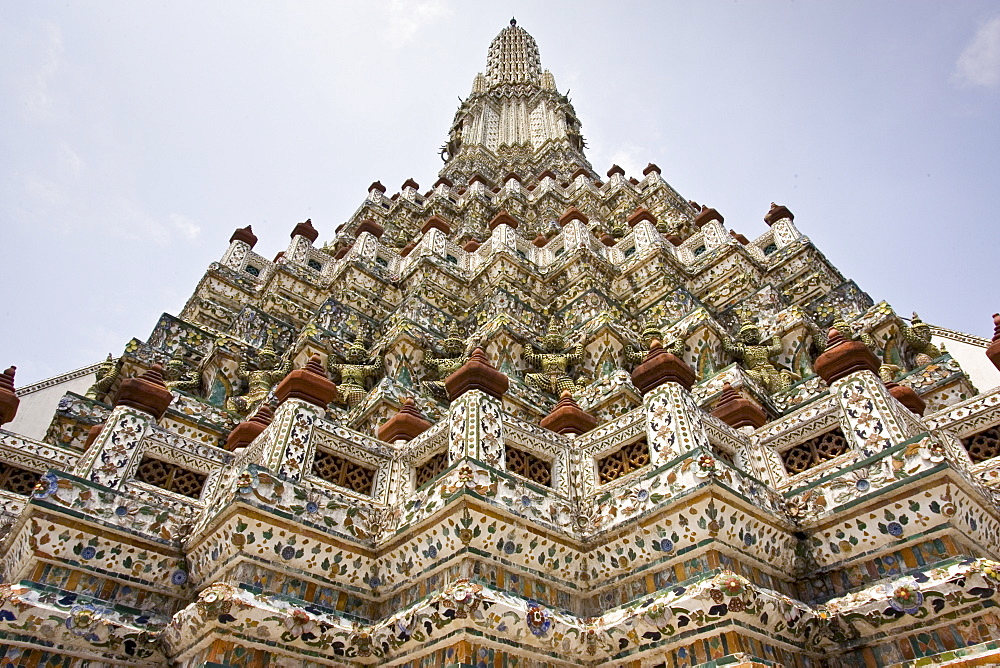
{"x": 513, "y": 21}
{"x": 834, "y": 338}
{"x": 264, "y": 415}
{"x": 7, "y": 379}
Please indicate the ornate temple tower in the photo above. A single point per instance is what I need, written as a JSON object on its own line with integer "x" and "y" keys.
{"x": 526, "y": 417}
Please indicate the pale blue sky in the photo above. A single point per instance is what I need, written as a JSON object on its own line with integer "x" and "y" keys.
{"x": 134, "y": 137}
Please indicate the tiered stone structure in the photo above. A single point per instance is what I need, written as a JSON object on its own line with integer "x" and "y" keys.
{"x": 751, "y": 494}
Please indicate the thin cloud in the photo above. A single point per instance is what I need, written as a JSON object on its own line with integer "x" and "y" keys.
{"x": 406, "y": 19}
{"x": 979, "y": 64}
{"x": 38, "y": 97}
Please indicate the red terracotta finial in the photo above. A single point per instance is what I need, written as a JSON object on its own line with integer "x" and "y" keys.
{"x": 370, "y": 226}
{"x": 405, "y": 425}
{"x": 737, "y": 411}
{"x": 661, "y": 367}
{"x": 906, "y": 396}
{"x": 650, "y": 168}
{"x": 503, "y": 218}
{"x": 410, "y": 183}
{"x": 567, "y": 417}
{"x": 615, "y": 169}
{"x": 146, "y": 393}
{"x": 571, "y": 214}
{"x": 471, "y": 246}
{"x": 377, "y": 185}
{"x": 435, "y": 223}
{"x": 443, "y": 181}
{"x": 777, "y": 212}
{"x": 306, "y": 230}
{"x": 92, "y": 435}
{"x": 993, "y": 351}
{"x": 706, "y": 216}
{"x": 244, "y": 234}
{"x": 309, "y": 384}
{"x": 640, "y": 214}
{"x": 477, "y": 374}
{"x": 245, "y": 432}
{"x": 843, "y": 357}
{"x": 8, "y": 399}
{"x": 407, "y": 249}
{"x": 539, "y": 241}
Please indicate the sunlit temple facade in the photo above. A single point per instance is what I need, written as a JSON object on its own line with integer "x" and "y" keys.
{"x": 531, "y": 416}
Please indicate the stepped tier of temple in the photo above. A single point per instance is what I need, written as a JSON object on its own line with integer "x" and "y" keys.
{"x": 528, "y": 416}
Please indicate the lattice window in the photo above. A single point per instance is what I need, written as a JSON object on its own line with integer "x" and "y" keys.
{"x": 171, "y": 477}
{"x": 314, "y": 264}
{"x": 815, "y": 451}
{"x": 531, "y": 467}
{"x": 431, "y": 468}
{"x": 984, "y": 445}
{"x": 770, "y": 248}
{"x": 17, "y": 480}
{"x": 699, "y": 250}
{"x": 252, "y": 270}
{"x": 344, "y": 472}
{"x": 626, "y": 459}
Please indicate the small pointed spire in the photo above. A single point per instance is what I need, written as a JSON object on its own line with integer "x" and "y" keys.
{"x": 572, "y": 213}
{"x": 777, "y": 212}
{"x": 244, "y": 234}
{"x": 245, "y": 432}
{"x": 477, "y": 374}
{"x": 993, "y": 351}
{"x": 640, "y": 214}
{"x": 513, "y": 21}
{"x": 737, "y": 411}
{"x": 539, "y": 241}
{"x": 436, "y": 223}
{"x": 567, "y": 417}
{"x": 306, "y": 230}
{"x": 146, "y": 393}
{"x": 843, "y": 357}
{"x": 661, "y": 367}
{"x": 503, "y": 218}
{"x": 370, "y": 226}
{"x": 309, "y": 384}
{"x": 707, "y": 215}
{"x": 8, "y": 398}
{"x": 405, "y": 425}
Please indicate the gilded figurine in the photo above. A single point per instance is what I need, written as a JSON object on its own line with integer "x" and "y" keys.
{"x": 269, "y": 372}
{"x": 355, "y": 371}
{"x": 750, "y": 348}
{"x": 109, "y": 372}
{"x": 453, "y": 349}
{"x": 554, "y": 362}
{"x": 636, "y": 355}
{"x": 178, "y": 377}
{"x": 918, "y": 336}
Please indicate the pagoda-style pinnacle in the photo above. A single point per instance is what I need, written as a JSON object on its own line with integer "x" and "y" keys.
{"x": 907, "y": 396}
{"x": 503, "y": 218}
{"x": 245, "y": 432}
{"x": 443, "y": 181}
{"x": 410, "y": 183}
{"x": 661, "y": 367}
{"x": 993, "y": 351}
{"x": 244, "y": 234}
{"x": 405, "y": 425}
{"x": 640, "y": 214}
{"x": 706, "y": 216}
{"x": 306, "y": 230}
{"x": 615, "y": 169}
{"x": 147, "y": 393}
{"x": 436, "y": 223}
{"x": 370, "y": 226}
{"x": 8, "y": 398}
{"x": 477, "y": 374}
{"x": 737, "y": 411}
{"x": 539, "y": 241}
{"x": 571, "y": 214}
{"x": 377, "y": 185}
{"x": 471, "y": 246}
{"x": 309, "y": 384}
{"x": 777, "y": 212}
{"x": 513, "y": 58}
{"x": 650, "y": 168}
{"x": 843, "y": 357}
{"x": 567, "y": 417}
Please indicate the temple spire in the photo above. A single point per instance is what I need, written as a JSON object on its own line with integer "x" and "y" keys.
{"x": 515, "y": 121}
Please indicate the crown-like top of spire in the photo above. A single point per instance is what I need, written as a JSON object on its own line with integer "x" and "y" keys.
{"x": 513, "y": 58}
